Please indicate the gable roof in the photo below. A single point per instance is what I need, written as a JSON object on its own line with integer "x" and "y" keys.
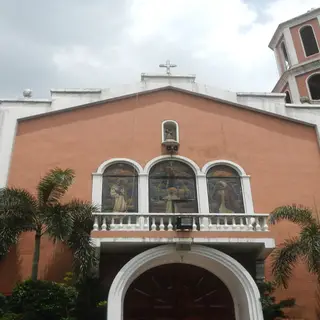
{"x": 165, "y": 88}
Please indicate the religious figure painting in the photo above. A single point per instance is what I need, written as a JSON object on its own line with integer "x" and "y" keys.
{"x": 120, "y": 189}
{"x": 224, "y": 190}
{"x": 172, "y": 188}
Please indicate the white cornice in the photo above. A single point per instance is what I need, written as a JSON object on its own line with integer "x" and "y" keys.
{"x": 291, "y": 23}
{"x": 76, "y": 90}
{"x": 296, "y": 70}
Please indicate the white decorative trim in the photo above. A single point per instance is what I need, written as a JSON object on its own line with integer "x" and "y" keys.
{"x": 231, "y": 164}
{"x": 307, "y": 83}
{"x": 97, "y": 180}
{"x": 156, "y": 160}
{"x": 243, "y": 289}
{"x": 301, "y": 41}
{"x": 291, "y": 51}
{"x": 162, "y": 129}
{"x": 291, "y": 23}
{"x": 294, "y": 90}
{"x": 245, "y": 182}
{"x": 109, "y": 162}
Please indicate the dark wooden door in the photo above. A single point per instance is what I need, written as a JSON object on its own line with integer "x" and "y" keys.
{"x": 178, "y": 292}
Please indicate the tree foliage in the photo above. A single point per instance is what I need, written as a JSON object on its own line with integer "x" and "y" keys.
{"x": 271, "y": 309}
{"x": 46, "y": 214}
{"x": 305, "y": 246}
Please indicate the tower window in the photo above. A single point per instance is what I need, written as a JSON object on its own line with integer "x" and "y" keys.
{"x": 314, "y": 86}
{"x": 288, "y": 97}
{"x": 285, "y": 56}
{"x": 309, "y": 41}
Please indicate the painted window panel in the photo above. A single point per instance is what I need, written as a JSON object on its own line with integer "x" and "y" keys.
{"x": 224, "y": 190}
{"x": 120, "y": 189}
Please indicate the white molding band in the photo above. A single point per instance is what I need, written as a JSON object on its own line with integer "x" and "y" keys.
{"x": 291, "y": 51}
{"x": 200, "y": 175}
{"x": 243, "y": 289}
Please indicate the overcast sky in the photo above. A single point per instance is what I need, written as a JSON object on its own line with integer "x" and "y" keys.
{"x": 97, "y": 43}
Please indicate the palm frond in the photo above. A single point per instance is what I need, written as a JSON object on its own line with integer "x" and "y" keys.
{"x": 310, "y": 242}
{"x": 284, "y": 259}
{"x": 296, "y": 214}
{"x": 79, "y": 241}
{"x": 57, "y": 220}
{"x": 84, "y": 254}
{"x": 17, "y": 214}
{"x": 54, "y": 185}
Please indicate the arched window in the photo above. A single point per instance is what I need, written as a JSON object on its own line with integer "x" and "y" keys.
{"x": 120, "y": 188}
{"x": 288, "y": 97}
{"x": 285, "y": 56}
{"x": 170, "y": 130}
{"x": 309, "y": 41}
{"x": 314, "y": 86}
{"x": 172, "y": 188}
{"x": 224, "y": 190}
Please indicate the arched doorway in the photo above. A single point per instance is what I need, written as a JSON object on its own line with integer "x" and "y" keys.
{"x": 178, "y": 292}
{"x": 240, "y": 283}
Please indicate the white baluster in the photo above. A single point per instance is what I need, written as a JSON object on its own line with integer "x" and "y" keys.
{"x": 96, "y": 224}
{"x": 170, "y": 226}
{"x": 265, "y": 224}
{"x": 153, "y": 225}
{"x": 129, "y": 223}
{"x": 250, "y": 226}
{"x": 225, "y": 220}
{"x": 241, "y": 224}
{"x": 145, "y": 223}
{"x": 202, "y": 225}
{"x": 121, "y": 223}
{"x": 258, "y": 227}
{"x": 234, "y": 225}
{"x": 104, "y": 223}
{"x": 194, "y": 226}
{"x": 210, "y": 223}
{"x": 112, "y": 224}
{"x": 161, "y": 224}
{"x": 218, "y": 223}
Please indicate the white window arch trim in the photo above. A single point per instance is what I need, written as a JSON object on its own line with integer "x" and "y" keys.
{"x": 244, "y": 179}
{"x": 301, "y": 41}
{"x": 97, "y": 179}
{"x": 307, "y": 84}
{"x": 172, "y": 122}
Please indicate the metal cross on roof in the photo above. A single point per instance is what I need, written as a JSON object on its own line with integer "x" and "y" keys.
{"x": 167, "y": 65}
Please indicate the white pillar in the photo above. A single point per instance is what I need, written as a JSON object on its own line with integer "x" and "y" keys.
{"x": 143, "y": 198}
{"x": 203, "y": 202}
{"x": 293, "y": 59}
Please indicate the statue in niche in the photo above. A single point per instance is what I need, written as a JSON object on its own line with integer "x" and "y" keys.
{"x": 224, "y": 198}
{"x": 118, "y": 193}
{"x": 169, "y": 134}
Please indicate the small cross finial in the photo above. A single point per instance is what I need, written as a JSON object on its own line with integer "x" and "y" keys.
{"x": 168, "y": 66}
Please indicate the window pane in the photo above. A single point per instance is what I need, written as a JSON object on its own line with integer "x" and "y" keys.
{"x": 309, "y": 41}
{"x": 120, "y": 189}
{"x": 172, "y": 188}
{"x": 224, "y": 190}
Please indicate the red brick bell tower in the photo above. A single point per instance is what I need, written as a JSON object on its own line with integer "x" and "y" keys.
{"x": 296, "y": 45}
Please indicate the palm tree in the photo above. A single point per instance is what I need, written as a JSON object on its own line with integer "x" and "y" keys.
{"x": 304, "y": 246}
{"x": 45, "y": 214}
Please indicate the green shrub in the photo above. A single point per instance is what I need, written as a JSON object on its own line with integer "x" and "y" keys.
{"x": 271, "y": 309}
{"x": 47, "y": 300}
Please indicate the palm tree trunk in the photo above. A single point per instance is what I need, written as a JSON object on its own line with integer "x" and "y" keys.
{"x": 36, "y": 256}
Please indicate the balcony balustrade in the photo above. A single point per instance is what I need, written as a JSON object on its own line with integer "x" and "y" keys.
{"x": 159, "y": 222}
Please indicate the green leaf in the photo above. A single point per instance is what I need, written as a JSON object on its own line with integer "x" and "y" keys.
{"x": 284, "y": 259}
{"x": 18, "y": 210}
{"x": 54, "y": 185}
{"x": 296, "y": 214}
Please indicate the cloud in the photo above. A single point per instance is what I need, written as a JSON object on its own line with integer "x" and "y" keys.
{"x": 79, "y": 43}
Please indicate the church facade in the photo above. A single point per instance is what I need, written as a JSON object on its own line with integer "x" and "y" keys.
{"x": 185, "y": 176}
